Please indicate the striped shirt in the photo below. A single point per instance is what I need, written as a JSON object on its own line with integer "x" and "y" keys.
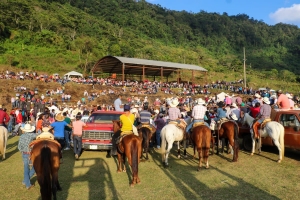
{"x": 265, "y": 111}
{"x": 199, "y": 112}
{"x": 174, "y": 113}
{"x": 145, "y": 116}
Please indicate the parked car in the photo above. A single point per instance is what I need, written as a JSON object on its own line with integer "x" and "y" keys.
{"x": 290, "y": 119}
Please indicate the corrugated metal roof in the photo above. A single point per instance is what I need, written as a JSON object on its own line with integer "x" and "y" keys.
{"x": 145, "y": 62}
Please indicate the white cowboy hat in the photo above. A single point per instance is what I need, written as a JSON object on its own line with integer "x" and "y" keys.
{"x": 234, "y": 105}
{"x": 133, "y": 110}
{"x": 200, "y": 101}
{"x": 27, "y": 128}
{"x": 174, "y": 103}
{"x": 257, "y": 95}
{"x": 289, "y": 96}
{"x": 156, "y": 111}
{"x": 266, "y": 100}
{"x": 233, "y": 116}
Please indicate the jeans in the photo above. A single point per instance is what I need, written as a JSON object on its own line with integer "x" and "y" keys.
{"x": 77, "y": 142}
{"x": 67, "y": 138}
{"x": 188, "y": 128}
{"x": 10, "y": 126}
{"x": 158, "y": 137}
{"x": 61, "y": 141}
{"x": 28, "y": 173}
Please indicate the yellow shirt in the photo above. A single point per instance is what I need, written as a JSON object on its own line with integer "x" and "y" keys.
{"x": 126, "y": 123}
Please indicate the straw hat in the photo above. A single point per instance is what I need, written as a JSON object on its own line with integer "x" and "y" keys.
{"x": 28, "y": 128}
{"x": 45, "y": 134}
{"x": 257, "y": 95}
{"x": 200, "y": 101}
{"x": 266, "y": 100}
{"x": 156, "y": 111}
{"x": 59, "y": 117}
{"x": 174, "y": 103}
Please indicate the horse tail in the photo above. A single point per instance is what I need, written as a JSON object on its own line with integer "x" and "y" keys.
{"x": 163, "y": 141}
{"x": 145, "y": 138}
{"x": 134, "y": 156}
{"x": 281, "y": 139}
{"x": 46, "y": 177}
{"x": 236, "y": 136}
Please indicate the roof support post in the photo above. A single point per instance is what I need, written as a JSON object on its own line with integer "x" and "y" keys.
{"x": 178, "y": 75}
{"x": 206, "y": 77}
{"x": 123, "y": 71}
{"x": 161, "y": 74}
{"x": 192, "y": 76}
{"x": 143, "y": 73}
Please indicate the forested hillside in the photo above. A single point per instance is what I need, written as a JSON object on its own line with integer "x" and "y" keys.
{"x": 52, "y": 35}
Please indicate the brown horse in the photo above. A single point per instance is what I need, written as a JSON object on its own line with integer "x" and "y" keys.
{"x": 146, "y": 134}
{"x": 45, "y": 156}
{"x": 230, "y": 130}
{"x": 130, "y": 147}
{"x": 201, "y": 137}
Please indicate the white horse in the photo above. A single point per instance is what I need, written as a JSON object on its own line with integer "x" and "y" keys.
{"x": 3, "y": 141}
{"x": 170, "y": 134}
{"x": 273, "y": 129}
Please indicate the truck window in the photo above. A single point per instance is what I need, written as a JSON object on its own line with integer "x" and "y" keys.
{"x": 103, "y": 118}
{"x": 289, "y": 120}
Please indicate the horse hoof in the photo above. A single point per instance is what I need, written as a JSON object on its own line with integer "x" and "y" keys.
{"x": 166, "y": 166}
{"x": 124, "y": 170}
{"x": 251, "y": 154}
{"x": 279, "y": 161}
{"x": 119, "y": 171}
{"x": 234, "y": 160}
{"x": 207, "y": 167}
{"x": 131, "y": 185}
{"x": 198, "y": 169}
{"x": 178, "y": 156}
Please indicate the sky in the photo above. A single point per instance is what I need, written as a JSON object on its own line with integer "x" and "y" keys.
{"x": 269, "y": 11}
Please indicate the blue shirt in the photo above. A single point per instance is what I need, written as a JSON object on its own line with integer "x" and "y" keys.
{"x": 59, "y": 128}
{"x": 220, "y": 114}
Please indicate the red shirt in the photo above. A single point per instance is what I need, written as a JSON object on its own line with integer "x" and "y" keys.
{"x": 283, "y": 101}
{"x": 4, "y": 118}
{"x": 254, "y": 111}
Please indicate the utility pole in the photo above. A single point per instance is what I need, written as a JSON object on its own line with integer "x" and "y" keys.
{"x": 245, "y": 68}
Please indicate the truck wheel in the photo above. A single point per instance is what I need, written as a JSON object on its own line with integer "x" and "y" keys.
{"x": 247, "y": 142}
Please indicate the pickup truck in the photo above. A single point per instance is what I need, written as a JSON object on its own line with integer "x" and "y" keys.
{"x": 99, "y": 130}
{"x": 290, "y": 119}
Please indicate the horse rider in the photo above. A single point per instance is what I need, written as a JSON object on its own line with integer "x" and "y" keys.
{"x": 145, "y": 117}
{"x": 127, "y": 120}
{"x": 221, "y": 112}
{"x": 25, "y": 139}
{"x": 264, "y": 113}
{"x": 198, "y": 114}
{"x": 282, "y": 101}
{"x": 4, "y": 117}
{"x": 174, "y": 112}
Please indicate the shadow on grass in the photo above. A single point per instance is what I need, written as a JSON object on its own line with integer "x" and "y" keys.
{"x": 193, "y": 188}
{"x": 11, "y": 149}
{"x": 95, "y": 171}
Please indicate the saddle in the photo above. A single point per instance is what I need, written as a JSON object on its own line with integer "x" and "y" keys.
{"x": 43, "y": 139}
{"x": 264, "y": 123}
{"x": 220, "y": 122}
{"x": 197, "y": 124}
{"x": 181, "y": 125}
{"x": 119, "y": 140}
{"x": 148, "y": 126}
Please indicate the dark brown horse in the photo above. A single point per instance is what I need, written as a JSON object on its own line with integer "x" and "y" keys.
{"x": 146, "y": 134}
{"x": 130, "y": 147}
{"x": 45, "y": 156}
{"x": 201, "y": 137}
{"x": 230, "y": 130}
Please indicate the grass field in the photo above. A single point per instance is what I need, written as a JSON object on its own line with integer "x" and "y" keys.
{"x": 95, "y": 177}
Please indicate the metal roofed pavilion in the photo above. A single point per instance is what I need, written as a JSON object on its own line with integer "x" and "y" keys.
{"x": 123, "y": 65}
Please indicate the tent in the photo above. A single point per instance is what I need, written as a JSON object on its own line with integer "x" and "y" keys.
{"x": 73, "y": 74}
{"x": 221, "y": 96}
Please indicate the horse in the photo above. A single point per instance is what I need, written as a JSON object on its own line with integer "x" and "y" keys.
{"x": 229, "y": 130}
{"x": 170, "y": 134}
{"x": 130, "y": 147}
{"x": 146, "y": 134}
{"x": 45, "y": 156}
{"x": 3, "y": 141}
{"x": 201, "y": 137}
{"x": 272, "y": 129}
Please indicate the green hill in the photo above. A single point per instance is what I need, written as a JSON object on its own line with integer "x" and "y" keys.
{"x": 61, "y": 35}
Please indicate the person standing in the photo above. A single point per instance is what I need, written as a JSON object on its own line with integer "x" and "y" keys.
{"x": 160, "y": 123}
{"x": 118, "y": 104}
{"x": 59, "y": 129}
{"x": 68, "y": 131}
{"x": 26, "y": 138}
{"x": 77, "y": 135}
{"x": 4, "y": 118}
{"x": 292, "y": 103}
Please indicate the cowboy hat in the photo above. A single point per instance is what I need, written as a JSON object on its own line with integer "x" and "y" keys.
{"x": 45, "y": 134}
{"x": 27, "y": 128}
{"x": 174, "y": 103}
{"x": 59, "y": 117}
{"x": 257, "y": 95}
{"x": 266, "y": 100}
{"x": 156, "y": 111}
{"x": 234, "y": 105}
{"x": 133, "y": 110}
{"x": 289, "y": 96}
{"x": 233, "y": 116}
{"x": 200, "y": 101}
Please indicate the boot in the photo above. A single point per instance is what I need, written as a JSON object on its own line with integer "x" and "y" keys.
{"x": 255, "y": 129}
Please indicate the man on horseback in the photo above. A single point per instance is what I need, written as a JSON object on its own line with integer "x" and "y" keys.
{"x": 26, "y": 138}
{"x": 174, "y": 112}
{"x": 145, "y": 117}
{"x": 264, "y": 113}
{"x": 126, "y": 120}
{"x": 198, "y": 114}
